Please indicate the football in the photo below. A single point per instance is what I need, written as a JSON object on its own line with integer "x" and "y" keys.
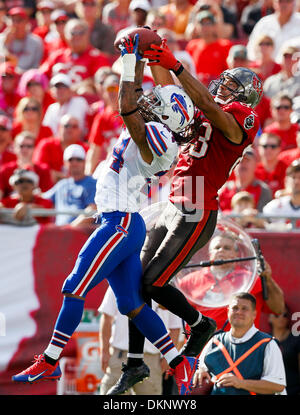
{"x": 204, "y": 389}
{"x": 146, "y": 38}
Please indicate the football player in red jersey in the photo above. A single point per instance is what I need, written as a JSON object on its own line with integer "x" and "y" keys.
{"x": 223, "y": 128}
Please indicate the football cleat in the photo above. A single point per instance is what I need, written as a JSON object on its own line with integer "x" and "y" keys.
{"x": 40, "y": 370}
{"x": 184, "y": 373}
{"x": 199, "y": 336}
{"x": 129, "y": 377}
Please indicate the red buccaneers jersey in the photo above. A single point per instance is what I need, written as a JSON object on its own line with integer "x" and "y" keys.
{"x": 206, "y": 162}
{"x": 78, "y": 67}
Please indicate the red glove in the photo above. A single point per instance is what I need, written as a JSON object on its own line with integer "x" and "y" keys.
{"x": 162, "y": 55}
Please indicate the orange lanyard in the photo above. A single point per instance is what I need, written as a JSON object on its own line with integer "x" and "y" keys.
{"x": 233, "y": 365}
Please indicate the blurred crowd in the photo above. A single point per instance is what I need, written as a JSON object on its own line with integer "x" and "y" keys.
{"x": 59, "y": 77}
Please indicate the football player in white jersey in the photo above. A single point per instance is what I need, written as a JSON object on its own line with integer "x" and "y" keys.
{"x": 146, "y": 147}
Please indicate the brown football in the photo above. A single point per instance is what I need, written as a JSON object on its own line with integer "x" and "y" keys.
{"x": 146, "y": 38}
{"x": 204, "y": 389}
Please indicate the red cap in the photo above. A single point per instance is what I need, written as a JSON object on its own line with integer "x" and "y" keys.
{"x": 18, "y": 11}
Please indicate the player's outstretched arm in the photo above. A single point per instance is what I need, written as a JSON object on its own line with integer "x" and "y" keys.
{"x": 202, "y": 98}
{"x": 129, "y": 82}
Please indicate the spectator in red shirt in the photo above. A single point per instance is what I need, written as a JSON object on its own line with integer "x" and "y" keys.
{"x": 24, "y": 183}
{"x": 243, "y": 203}
{"x": 282, "y": 107}
{"x": 217, "y": 283}
{"x": 265, "y": 65}
{"x": 23, "y": 148}
{"x": 288, "y": 156}
{"x": 106, "y": 125}
{"x": 50, "y": 150}
{"x": 208, "y": 51}
{"x": 43, "y": 18}
{"x": 56, "y": 40}
{"x": 238, "y": 57}
{"x": 29, "y": 118}
{"x": 9, "y": 79}
{"x": 270, "y": 169}
{"x": 80, "y": 60}
{"x": 6, "y": 153}
{"x": 245, "y": 180}
{"x": 34, "y": 84}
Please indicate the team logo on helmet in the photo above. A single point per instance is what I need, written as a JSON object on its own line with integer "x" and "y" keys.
{"x": 249, "y": 122}
{"x": 257, "y": 85}
{"x": 180, "y": 106}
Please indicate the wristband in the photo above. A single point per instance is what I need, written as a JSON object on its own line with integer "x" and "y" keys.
{"x": 178, "y": 68}
{"x": 128, "y": 67}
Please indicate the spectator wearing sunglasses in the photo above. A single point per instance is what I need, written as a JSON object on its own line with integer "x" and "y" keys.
{"x": 24, "y": 198}
{"x": 264, "y": 63}
{"x": 66, "y": 102}
{"x": 29, "y": 118}
{"x": 290, "y": 348}
{"x": 50, "y": 150}
{"x": 281, "y": 109}
{"x": 80, "y": 59}
{"x": 270, "y": 169}
{"x": 23, "y": 148}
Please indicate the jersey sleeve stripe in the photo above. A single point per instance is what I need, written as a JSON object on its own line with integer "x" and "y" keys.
{"x": 152, "y": 142}
{"x": 159, "y": 138}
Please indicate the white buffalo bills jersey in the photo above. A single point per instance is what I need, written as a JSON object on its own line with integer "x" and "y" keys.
{"x": 123, "y": 178}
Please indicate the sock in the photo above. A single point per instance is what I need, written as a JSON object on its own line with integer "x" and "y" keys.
{"x": 197, "y": 321}
{"x": 135, "y": 355}
{"x": 67, "y": 321}
{"x": 136, "y": 342}
{"x": 176, "y": 361}
{"x": 151, "y": 325}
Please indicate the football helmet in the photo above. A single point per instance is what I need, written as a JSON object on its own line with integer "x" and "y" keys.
{"x": 249, "y": 89}
{"x": 169, "y": 105}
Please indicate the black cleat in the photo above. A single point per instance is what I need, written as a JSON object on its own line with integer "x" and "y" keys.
{"x": 130, "y": 376}
{"x": 199, "y": 336}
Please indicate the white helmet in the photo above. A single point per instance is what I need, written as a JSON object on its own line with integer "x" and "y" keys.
{"x": 171, "y": 105}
